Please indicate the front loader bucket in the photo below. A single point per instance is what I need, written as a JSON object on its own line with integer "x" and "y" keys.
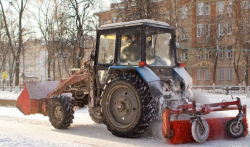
{"x": 32, "y": 100}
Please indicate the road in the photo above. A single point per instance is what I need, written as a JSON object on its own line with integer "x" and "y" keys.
{"x": 35, "y": 130}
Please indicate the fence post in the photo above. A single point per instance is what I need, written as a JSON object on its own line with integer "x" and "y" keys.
{"x": 213, "y": 87}
{"x": 247, "y": 90}
{"x": 227, "y": 91}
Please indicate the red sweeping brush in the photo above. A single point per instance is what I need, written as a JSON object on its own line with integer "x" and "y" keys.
{"x": 182, "y": 130}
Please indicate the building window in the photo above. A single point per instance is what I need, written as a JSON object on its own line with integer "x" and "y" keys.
{"x": 221, "y": 74}
{"x": 207, "y": 74}
{"x": 199, "y": 30}
{"x": 221, "y": 53}
{"x": 153, "y": 0}
{"x": 207, "y": 30}
{"x": 220, "y": 6}
{"x": 207, "y": 8}
{"x": 114, "y": 19}
{"x": 184, "y": 56}
{"x": 245, "y": 4}
{"x": 101, "y": 22}
{"x": 199, "y": 75}
{"x": 200, "y": 9}
{"x": 229, "y": 74}
{"x": 221, "y": 29}
{"x": 229, "y": 28}
{"x": 244, "y": 53}
{"x": 229, "y": 8}
{"x": 184, "y": 34}
{"x": 246, "y": 26}
{"x": 199, "y": 55}
{"x": 207, "y": 55}
{"x": 183, "y": 12}
{"x": 106, "y": 22}
{"x": 230, "y": 52}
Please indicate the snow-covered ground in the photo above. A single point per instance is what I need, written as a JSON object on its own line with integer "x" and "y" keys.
{"x": 6, "y": 95}
{"x": 17, "y": 129}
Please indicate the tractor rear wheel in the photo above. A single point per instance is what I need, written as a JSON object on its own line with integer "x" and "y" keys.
{"x": 127, "y": 106}
{"x": 61, "y": 112}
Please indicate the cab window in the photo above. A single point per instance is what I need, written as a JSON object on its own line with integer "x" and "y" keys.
{"x": 130, "y": 50}
{"x": 107, "y": 48}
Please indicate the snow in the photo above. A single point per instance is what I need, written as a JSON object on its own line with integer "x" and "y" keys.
{"x": 132, "y": 23}
{"x": 17, "y": 129}
{"x": 6, "y": 95}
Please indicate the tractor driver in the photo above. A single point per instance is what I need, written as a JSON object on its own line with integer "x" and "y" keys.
{"x": 131, "y": 52}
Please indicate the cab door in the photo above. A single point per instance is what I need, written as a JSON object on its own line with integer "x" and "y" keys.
{"x": 106, "y": 49}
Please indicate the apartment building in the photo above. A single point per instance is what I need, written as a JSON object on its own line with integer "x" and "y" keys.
{"x": 213, "y": 35}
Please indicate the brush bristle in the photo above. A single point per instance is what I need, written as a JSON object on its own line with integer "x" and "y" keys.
{"x": 182, "y": 130}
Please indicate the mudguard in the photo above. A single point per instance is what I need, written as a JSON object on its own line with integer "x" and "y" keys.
{"x": 153, "y": 81}
{"x": 147, "y": 74}
{"x": 180, "y": 74}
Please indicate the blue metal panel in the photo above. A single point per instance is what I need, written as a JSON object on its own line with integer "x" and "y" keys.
{"x": 147, "y": 74}
{"x": 123, "y": 67}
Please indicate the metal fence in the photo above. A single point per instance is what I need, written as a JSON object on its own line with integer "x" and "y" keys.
{"x": 227, "y": 90}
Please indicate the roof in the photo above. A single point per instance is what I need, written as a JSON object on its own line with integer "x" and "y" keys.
{"x": 135, "y": 23}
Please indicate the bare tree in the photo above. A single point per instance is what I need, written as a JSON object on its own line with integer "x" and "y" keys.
{"x": 45, "y": 20}
{"x": 19, "y": 6}
{"x": 81, "y": 15}
{"x": 127, "y": 10}
{"x": 242, "y": 33}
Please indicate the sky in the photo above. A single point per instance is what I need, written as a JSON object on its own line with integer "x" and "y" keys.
{"x": 102, "y": 5}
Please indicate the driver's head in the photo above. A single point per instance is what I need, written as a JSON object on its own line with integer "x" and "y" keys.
{"x": 134, "y": 38}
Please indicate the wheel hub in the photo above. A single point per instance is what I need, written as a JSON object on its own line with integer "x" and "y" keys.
{"x": 58, "y": 113}
{"x": 235, "y": 128}
{"x": 123, "y": 106}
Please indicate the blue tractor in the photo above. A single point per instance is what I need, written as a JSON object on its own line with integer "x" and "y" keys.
{"x": 132, "y": 75}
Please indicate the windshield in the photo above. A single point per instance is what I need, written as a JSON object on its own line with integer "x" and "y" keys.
{"x": 158, "y": 47}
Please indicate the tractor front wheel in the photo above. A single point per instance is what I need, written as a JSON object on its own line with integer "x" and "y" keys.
{"x": 127, "y": 106}
{"x": 95, "y": 114}
{"x": 235, "y": 129}
{"x": 200, "y": 130}
{"x": 60, "y": 112}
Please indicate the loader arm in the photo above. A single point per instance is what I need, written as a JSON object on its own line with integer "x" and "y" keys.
{"x": 77, "y": 77}
{"x": 34, "y": 97}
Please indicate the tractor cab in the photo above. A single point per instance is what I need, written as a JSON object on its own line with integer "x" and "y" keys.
{"x": 123, "y": 46}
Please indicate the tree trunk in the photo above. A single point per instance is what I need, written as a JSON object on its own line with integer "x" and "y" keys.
{"x": 215, "y": 67}
{"x": 246, "y": 76}
{"x": 66, "y": 68}
{"x": 236, "y": 67}
{"x": 59, "y": 68}
{"x": 54, "y": 71}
